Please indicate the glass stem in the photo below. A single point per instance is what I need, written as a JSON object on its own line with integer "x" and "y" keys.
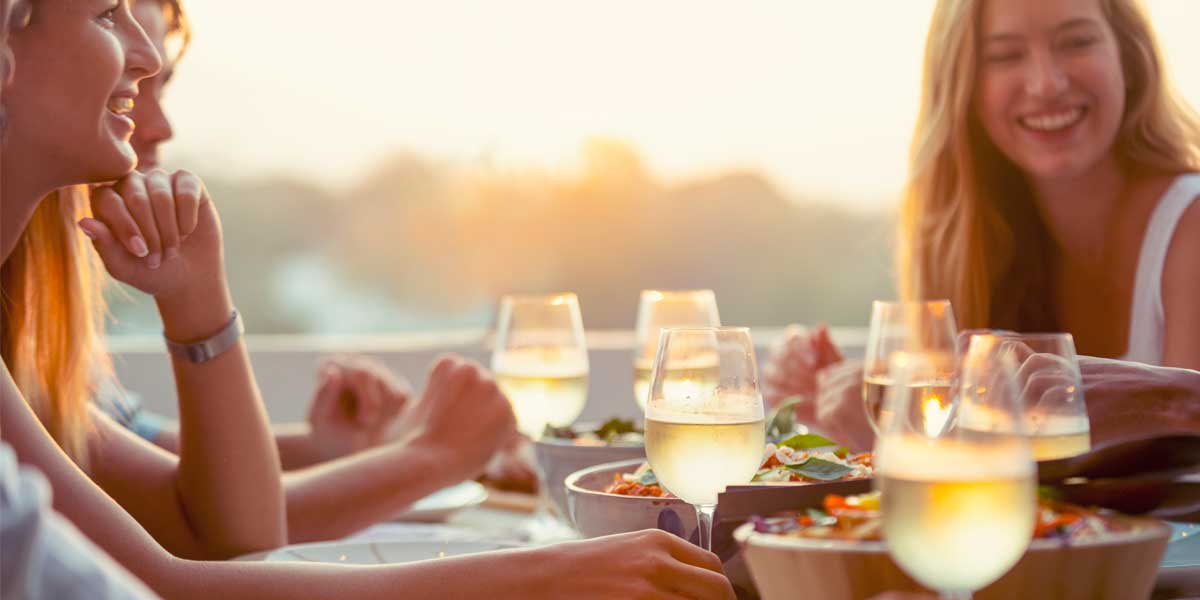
{"x": 955, "y": 595}
{"x": 704, "y": 523}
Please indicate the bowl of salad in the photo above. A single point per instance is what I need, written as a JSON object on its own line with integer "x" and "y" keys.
{"x": 626, "y": 496}
{"x": 836, "y": 552}
{"x": 564, "y": 450}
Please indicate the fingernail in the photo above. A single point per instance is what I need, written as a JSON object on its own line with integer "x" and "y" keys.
{"x": 171, "y": 252}
{"x": 85, "y": 227}
{"x": 154, "y": 261}
{"x": 140, "y": 249}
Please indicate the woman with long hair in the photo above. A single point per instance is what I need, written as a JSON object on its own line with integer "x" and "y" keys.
{"x": 79, "y": 63}
{"x": 1052, "y": 186}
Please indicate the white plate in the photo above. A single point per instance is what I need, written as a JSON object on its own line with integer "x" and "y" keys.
{"x": 374, "y": 553}
{"x": 445, "y": 502}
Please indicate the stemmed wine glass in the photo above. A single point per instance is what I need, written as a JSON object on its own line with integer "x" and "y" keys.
{"x": 541, "y": 361}
{"x": 659, "y": 309}
{"x": 1051, "y": 392}
{"x": 924, "y": 327}
{"x": 541, "y": 364}
{"x": 704, "y": 416}
{"x": 959, "y": 505}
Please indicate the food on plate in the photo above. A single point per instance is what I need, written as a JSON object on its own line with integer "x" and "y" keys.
{"x": 858, "y": 518}
{"x": 802, "y": 458}
{"x": 612, "y": 431}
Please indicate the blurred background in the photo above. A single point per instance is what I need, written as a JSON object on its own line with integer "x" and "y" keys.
{"x": 393, "y": 167}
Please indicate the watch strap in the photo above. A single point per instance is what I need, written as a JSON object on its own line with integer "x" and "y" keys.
{"x": 207, "y": 349}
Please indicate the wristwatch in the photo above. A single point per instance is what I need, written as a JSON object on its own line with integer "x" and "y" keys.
{"x": 208, "y": 349}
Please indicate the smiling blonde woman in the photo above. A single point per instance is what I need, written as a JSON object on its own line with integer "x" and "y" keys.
{"x": 1052, "y": 178}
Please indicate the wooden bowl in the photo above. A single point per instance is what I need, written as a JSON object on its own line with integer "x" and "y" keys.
{"x": 1119, "y": 566}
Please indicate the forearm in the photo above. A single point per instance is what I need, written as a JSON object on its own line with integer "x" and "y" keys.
{"x": 506, "y": 574}
{"x": 1154, "y": 411}
{"x": 228, "y": 477}
{"x": 296, "y": 449}
{"x": 337, "y": 498}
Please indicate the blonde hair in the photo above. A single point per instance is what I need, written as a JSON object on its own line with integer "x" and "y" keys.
{"x": 969, "y": 231}
{"x": 53, "y": 316}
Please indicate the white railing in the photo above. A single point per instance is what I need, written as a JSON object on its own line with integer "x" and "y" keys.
{"x": 285, "y": 364}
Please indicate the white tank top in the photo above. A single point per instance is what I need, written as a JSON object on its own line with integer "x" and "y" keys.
{"x": 1146, "y": 317}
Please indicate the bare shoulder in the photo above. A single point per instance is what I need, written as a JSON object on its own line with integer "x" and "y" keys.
{"x": 1181, "y": 292}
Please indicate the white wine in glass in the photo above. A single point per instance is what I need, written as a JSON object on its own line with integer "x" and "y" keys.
{"x": 540, "y": 360}
{"x": 659, "y": 309}
{"x": 1051, "y": 389}
{"x": 709, "y": 434}
{"x": 924, "y": 327}
{"x": 958, "y": 506}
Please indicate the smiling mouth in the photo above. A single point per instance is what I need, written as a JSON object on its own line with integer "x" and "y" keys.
{"x": 1053, "y": 121}
{"x": 120, "y": 106}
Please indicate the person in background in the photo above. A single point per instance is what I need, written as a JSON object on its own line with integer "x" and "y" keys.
{"x": 1052, "y": 187}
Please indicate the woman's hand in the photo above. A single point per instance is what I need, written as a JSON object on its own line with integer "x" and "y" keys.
{"x": 841, "y": 413}
{"x": 357, "y": 401}
{"x": 792, "y": 368}
{"x": 462, "y": 418}
{"x": 643, "y": 564}
{"x": 158, "y": 232}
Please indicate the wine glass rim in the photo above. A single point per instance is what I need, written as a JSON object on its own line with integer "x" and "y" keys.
{"x": 672, "y": 293}
{"x": 1035, "y": 336}
{"x": 710, "y": 329}
{"x": 539, "y": 298}
{"x": 910, "y": 303}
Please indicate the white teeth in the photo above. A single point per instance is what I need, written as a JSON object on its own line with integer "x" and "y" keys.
{"x": 1053, "y": 122}
{"x": 120, "y": 106}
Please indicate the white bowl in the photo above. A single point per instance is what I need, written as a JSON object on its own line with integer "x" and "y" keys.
{"x": 556, "y": 459}
{"x": 1116, "y": 567}
{"x": 596, "y": 512}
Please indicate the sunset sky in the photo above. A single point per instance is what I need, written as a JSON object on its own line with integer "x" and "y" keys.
{"x": 820, "y": 95}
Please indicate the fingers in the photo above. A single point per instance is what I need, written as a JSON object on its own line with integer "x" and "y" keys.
{"x": 325, "y": 403}
{"x": 189, "y": 194}
{"x": 162, "y": 203}
{"x": 133, "y": 192}
{"x": 110, "y": 250}
{"x": 110, "y": 208}
{"x": 689, "y": 553}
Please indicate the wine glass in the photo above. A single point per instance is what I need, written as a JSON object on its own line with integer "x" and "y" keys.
{"x": 958, "y": 506}
{"x": 540, "y": 360}
{"x": 659, "y": 309}
{"x": 541, "y": 364}
{"x": 924, "y": 327}
{"x": 704, "y": 416}
{"x": 1051, "y": 392}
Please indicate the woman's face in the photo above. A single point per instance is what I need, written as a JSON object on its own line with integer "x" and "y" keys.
{"x": 1051, "y": 89}
{"x": 80, "y": 62}
{"x": 153, "y": 127}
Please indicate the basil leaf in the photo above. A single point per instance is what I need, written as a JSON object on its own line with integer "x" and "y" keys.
{"x": 648, "y": 478}
{"x": 821, "y": 470}
{"x": 782, "y": 420}
{"x": 805, "y": 441}
{"x": 615, "y": 427}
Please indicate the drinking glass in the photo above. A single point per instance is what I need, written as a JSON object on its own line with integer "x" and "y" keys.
{"x": 1051, "y": 392}
{"x": 958, "y": 506}
{"x": 659, "y": 309}
{"x": 704, "y": 416}
{"x": 540, "y": 360}
{"x": 927, "y": 328}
